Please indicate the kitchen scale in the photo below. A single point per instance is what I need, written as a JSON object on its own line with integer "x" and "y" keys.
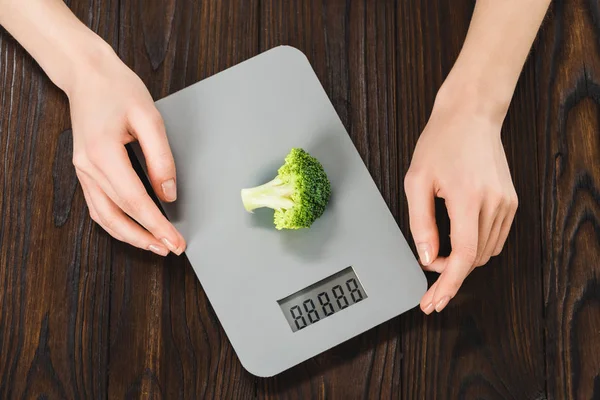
{"x": 282, "y": 297}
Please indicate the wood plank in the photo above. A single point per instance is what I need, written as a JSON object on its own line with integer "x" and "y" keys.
{"x": 165, "y": 338}
{"x": 488, "y": 343}
{"x": 568, "y": 61}
{"x": 54, "y": 263}
{"x": 352, "y": 47}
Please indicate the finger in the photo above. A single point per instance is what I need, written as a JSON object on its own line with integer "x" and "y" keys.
{"x": 149, "y": 129}
{"x": 490, "y": 212}
{"x": 464, "y": 222}
{"x": 93, "y": 213}
{"x": 505, "y": 228}
{"x": 120, "y": 182}
{"x": 119, "y": 225}
{"x": 86, "y": 196}
{"x": 421, "y": 207}
{"x": 492, "y": 240}
{"x": 438, "y": 265}
{"x": 427, "y": 299}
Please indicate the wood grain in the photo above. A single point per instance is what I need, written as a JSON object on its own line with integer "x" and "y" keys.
{"x": 54, "y": 264}
{"x": 165, "y": 339}
{"x": 351, "y": 46}
{"x": 568, "y": 61}
{"x": 84, "y": 316}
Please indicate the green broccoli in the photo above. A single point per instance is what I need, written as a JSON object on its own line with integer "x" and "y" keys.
{"x": 298, "y": 194}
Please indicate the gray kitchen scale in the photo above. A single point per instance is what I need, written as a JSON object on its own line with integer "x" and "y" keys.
{"x": 282, "y": 297}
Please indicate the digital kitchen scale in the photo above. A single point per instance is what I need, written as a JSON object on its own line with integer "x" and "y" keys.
{"x": 282, "y": 297}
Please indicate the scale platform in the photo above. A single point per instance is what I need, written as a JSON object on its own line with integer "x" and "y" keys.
{"x": 282, "y": 297}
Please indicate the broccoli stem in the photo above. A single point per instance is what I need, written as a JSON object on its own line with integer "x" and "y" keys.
{"x": 274, "y": 194}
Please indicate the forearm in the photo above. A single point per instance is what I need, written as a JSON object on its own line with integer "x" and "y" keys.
{"x": 496, "y": 47}
{"x": 55, "y": 38}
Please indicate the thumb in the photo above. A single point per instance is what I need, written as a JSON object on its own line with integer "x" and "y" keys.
{"x": 148, "y": 127}
{"x": 421, "y": 209}
{"x": 460, "y": 263}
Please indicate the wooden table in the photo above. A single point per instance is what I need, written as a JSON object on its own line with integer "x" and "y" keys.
{"x": 84, "y": 316}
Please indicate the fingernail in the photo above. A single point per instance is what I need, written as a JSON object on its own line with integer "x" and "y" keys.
{"x": 171, "y": 246}
{"x": 424, "y": 251}
{"x": 161, "y": 251}
{"x": 427, "y": 310}
{"x": 442, "y": 303}
{"x": 170, "y": 190}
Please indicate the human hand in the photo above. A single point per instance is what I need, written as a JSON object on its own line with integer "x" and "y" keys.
{"x": 111, "y": 107}
{"x": 459, "y": 157}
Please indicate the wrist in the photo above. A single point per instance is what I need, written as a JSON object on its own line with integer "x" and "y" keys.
{"x": 476, "y": 95}
{"x": 85, "y": 59}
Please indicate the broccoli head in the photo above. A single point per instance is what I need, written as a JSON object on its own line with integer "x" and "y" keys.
{"x": 298, "y": 194}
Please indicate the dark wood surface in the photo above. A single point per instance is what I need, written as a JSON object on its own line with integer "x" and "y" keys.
{"x": 84, "y": 316}
{"x": 568, "y": 131}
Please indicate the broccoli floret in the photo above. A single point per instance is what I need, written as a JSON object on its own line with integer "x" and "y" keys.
{"x": 298, "y": 194}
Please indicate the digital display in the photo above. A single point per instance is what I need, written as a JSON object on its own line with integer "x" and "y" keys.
{"x": 322, "y": 299}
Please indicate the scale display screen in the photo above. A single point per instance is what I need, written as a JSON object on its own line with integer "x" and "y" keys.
{"x": 322, "y": 299}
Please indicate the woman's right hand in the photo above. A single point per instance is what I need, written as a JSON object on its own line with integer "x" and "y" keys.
{"x": 111, "y": 107}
